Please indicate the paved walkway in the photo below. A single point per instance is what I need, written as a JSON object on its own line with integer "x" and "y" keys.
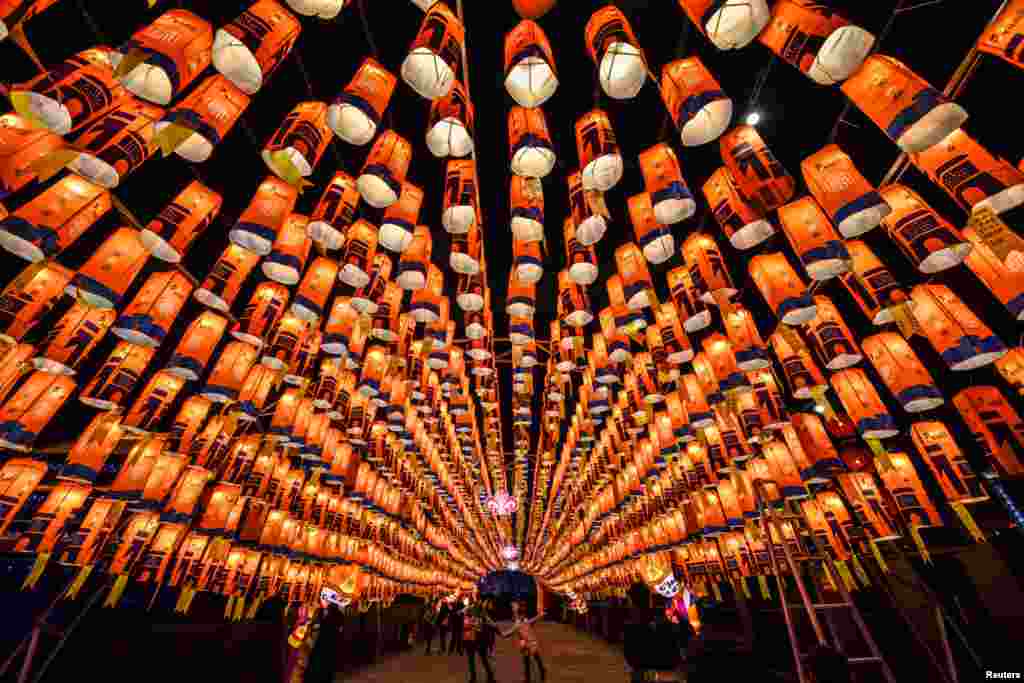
{"x": 570, "y": 656}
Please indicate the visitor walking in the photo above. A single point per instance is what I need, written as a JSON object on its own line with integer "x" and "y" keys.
{"x": 490, "y": 629}
{"x": 428, "y": 626}
{"x": 444, "y": 612}
{"x": 653, "y": 645}
{"x": 474, "y": 619}
{"x": 527, "y": 640}
{"x": 455, "y": 624}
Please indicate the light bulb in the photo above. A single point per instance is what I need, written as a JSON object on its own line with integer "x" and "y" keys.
{"x": 753, "y": 118}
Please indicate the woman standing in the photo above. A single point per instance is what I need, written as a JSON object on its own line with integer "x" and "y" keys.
{"x": 473, "y": 619}
{"x": 527, "y": 640}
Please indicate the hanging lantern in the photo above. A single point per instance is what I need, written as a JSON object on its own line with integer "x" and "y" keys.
{"x": 72, "y": 338}
{"x": 225, "y": 279}
{"x": 588, "y": 212}
{"x": 23, "y": 145}
{"x": 14, "y": 360}
{"x": 655, "y": 239}
{"x": 530, "y": 75}
{"x": 871, "y": 284}
{"x": 995, "y": 426}
{"x": 92, "y": 448}
{"x": 117, "y": 377}
{"x": 299, "y": 142}
{"x": 688, "y": 301}
{"x": 852, "y": 204}
{"x": 707, "y": 269}
{"x": 830, "y": 338}
{"x": 767, "y": 398}
{"x": 527, "y": 209}
{"x": 636, "y": 279}
{"x": 249, "y": 49}
{"x": 930, "y": 242}
{"x": 530, "y": 146}
{"x": 434, "y": 61}
{"x": 151, "y": 405}
{"x": 360, "y": 250}
{"x": 340, "y": 326}
{"x": 426, "y": 302}
{"x": 971, "y": 175}
{"x": 335, "y": 211}
{"x": 208, "y": 113}
{"x": 621, "y": 66}
{"x": 782, "y": 288}
{"x": 283, "y": 343}
{"x": 257, "y": 227}
{"x": 229, "y": 373}
{"x": 865, "y": 501}
{"x": 1005, "y": 285}
{"x": 106, "y": 158}
{"x": 573, "y": 302}
{"x": 29, "y": 409}
{"x": 399, "y": 222}
{"x": 54, "y": 219}
{"x": 315, "y": 288}
{"x": 911, "y": 112}
{"x": 72, "y": 95}
{"x": 813, "y": 239}
{"x": 522, "y": 297}
{"x": 188, "y": 422}
{"x": 582, "y": 261}
{"x": 252, "y": 397}
{"x": 50, "y": 521}
{"x": 150, "y": 315}
{"x": 466, "y": 257}
{"x": 721, "y": 360}
{"x": 356, "y": 113}
{"x": 699, "y": 107}
{"x": 527, "y": 261}
{"x": 287, "y": 258}
{"x": 759, "y": 176}
{"x": 743, "y": 225}
{"x": 450, "y": 124}
{"x": 904, "y": 483}
{"x": 598, "y": 152}
{"x": 33, "y": 294}
{"x": 460, "y": 198}
{"x": 671, "y": 199}
{"x": 947, "y": 463}
{"x": 862, "y": 403}
{"x": 364, "y": 299}
{"x": 783, "y": 471}
{"x": 745, "y": 340}
{"x": 953, "y": 330}
{"x": 677, "y": 345}
{"x": 169, "y": 235}
{"x": 902, "y": 371}
{"x": 802, "y": 373}
{"x": 1001, "y": 37}
{"x": 1011, "y": 368}
{"x": 383, "y": 173}
{"x": 728, "y": 25}
{"x": 816, "y": 40}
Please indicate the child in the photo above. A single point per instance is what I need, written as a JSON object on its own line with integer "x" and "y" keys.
{"x": 528, "y": 644}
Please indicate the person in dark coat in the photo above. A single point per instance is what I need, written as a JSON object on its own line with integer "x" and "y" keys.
{"x": 444, "y": 613}
{"x": 455, "y": 622}
{"x": 427, "y": 626}
{"x": 323, "y": 660}
{"x": 653, "y": 645}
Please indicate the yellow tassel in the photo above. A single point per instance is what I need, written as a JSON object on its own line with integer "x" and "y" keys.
{"x": 881, "y": 455}
{"x": 282, "y": 164}
{"x": 915, "y": 533}
{"x": 191, "y": 596}
{"x": 128, "y": 62}
{"x": 879, "y": 558}
{"x": 744, "y": 587}
{"x": 170, "y": 138}
{"x": 845, "y": 575}
{"x": 22, "y": 103}
{"x": 229, "y": 607}
{"x": 829, "y": 578}
{"x": 904, "y": 318}
{"x": 179, "y": 606}
{"x": 818, "y": 393}
{"x": 239, "y": 608}
{"x": 255, "y": 606}
{"x": 715, "y": 589}
{"x": 968, "y": 521}
{"x": 762, "y": 581}
{"x": 858, "y": 568}
{"x": 117, "y": 591}
{"x": 76, "y": 585}
{"x": 37, "y": 571}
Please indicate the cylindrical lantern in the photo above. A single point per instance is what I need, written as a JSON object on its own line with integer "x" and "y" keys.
{"x": 527, "y": 208}
{"x": 699, "y": 107}
{"x": 152, "y": 404}
{"x": 284, "y": 342}
{"x": 852, "y": 204}
{"x": 782, "y": 288}
{"x": 930, "y": 242}
{"x": 229, "y": 373}
{"x": 947, "y": 462}
{"x": 434, "y": 62}
{"x": 110, "y": 271}
{"x": 871, "y": 284}
{"x": 74, "y": 336}
{"x": 671, "y": 199}
{"x": 621, "y": 66}
{"x": 380, "y": 181}
{"x": 250, "y": 48}
{"x": 316, "y": 286}
{"x": 266, "y": 212}
{"x": 1005, "y": 285}
{"x": 265, "y": 308}
{"x": 527, "y": 261}
{"x": 117, "y": 377}
{"x": 802, "y": 373}
{"x": 357, "y": 111}
{"x": 400, "y": 219}
{"x": 22, "y": 146}
{"x": 707, "y": 268}
{"x": 743, "y": 225}
{"x": 727, "y": 25}
{"x": 54, "y": 219}
{"x": 533, "y": 155}
{"x": 210, "y": 112}
{"x": 636, "y": 279}
{"x": 188, "y": 422}
{"x": 334, "y": 212}
{"x": 904, "y": 483}
{"x": 911, "y": 112}
{"x": 598, "y": 151}
{"x": 287, "y": 258}
{"x": 530, "y": 75}
{"x": 459, "y": 214}
{"x": 415, "y": 261}
{"x": 225, "y": 279}
{"x": 588, "y": 211}
{"x": 953, "y": 330}
{"x": 862, "y": 403}
{"x": 902, "y": 371}
{"x": 745, "y": 340}
{"x": 169, "y": 235}
{"x": 813, "y": 239}
{"x": 760, "y": 177}
{"x": 830, "y": 338}
{"x": 687, "y": 298}
{"x": 450, "y": 124}
{"x": 30, "y": 296}
{"x": 117, "y": 144}
{"x": 149, "y": 316}
{"x": 300, "y": 141}
{"x": 655, "y": 239}
{"x": 92, "y": 448}
{"x": 28, "y": 410}
{"x": 995, "y": 426}
{"x": 360, "y": 250}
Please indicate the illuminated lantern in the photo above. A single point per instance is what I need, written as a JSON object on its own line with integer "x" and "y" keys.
{"x": 250, "y": 48}
{"x": 425, "y": 305}
{"x": 225, "y": 279}
{"x": 530, "y": 143}
{"x": 1010, "y": 368}
{"x": 911, "y": 112}
{"x": 22, "y": 145}
{"x": 315, "y": 288}
{"x": 782, "y": 288}
{"x": 210, "y": 112}
{"x": 802, "y": 373}
{"x": 229, "y": 373}
{"x": 830, "y": 338}
{"x": 14, "y": 360}
{"x": 341, "y": 331}
{"x": 398, "y": 224}
{"x": 710, "y": 516}
{"x": 527, "y": 209}
{"x": 217, "y": 514}
{"x": 75, "y": 93}
{"x": 389, "y": 306}
{"x": 530, "y": 75}
{"x": 947, "y": 463}
{"x": 814, "y": 240}
{"x": 871, "y": 284}
{"x": 906, "y": 488}
{"x": 357, "y": 111}
{"x": 522, "y": 297}
{"x": 687, "y": 299}
{"x": 51, "y": 518}
{"x": 655, "y": 239}
{"x": 971, "y": 175}
{"x": 582, "y": 260}
{"x": 728, "y": 25}
{"x": 169, "y": 235}
{"x": 380, "y": 181}
{"x": 284, "y": 414}
{"x": 460, "y": 198}
{"x": 117, "y": 377}
{"x": 360, "y": 250}
{"x": 415, "y": 262}
{"x": 188, "y": 421}
{"x": 588, "y": 212}
{"x": 365, "y": 298}
{"x": 743, "y": 225}
{"x": 54, "y": 219}
{"x": 745, "y": 340}
{"x": 334, "y": 212}
{"x": 284, "y": 342}
{"x": 902, "y": 371}
{"x": 1004, "y": 284}
{"x": 116, "y": 144}
{"x": 615, "y": 50}
{"x": 699, "y": 107}
{"x": 527, "y": 261}
{"x": 766, "y": 399}
{"x": 89, "y": 540}
{"x": 252, "y": 397}
{"x": 707, "y": 268}
{"x": 299, "y": 142}
{"x": 677, "y": 345}
{"x": 148, "y": 318}
{"x": 783, "y": 469}
{"x": 696, "y": 402}
{"x": 151, "y": 405}
{"x": 617, "y": 342}
{"x": 758, "y": 176}
{"x": 434, "y": 61}
{"x": 663, "y": 180}
{"x": 995, "y": 426}
{"x": 862, "y": 403}
{"x": 598, "y": 151}
{"x": 450, "y": 124}
{"x": 290, "y": 252}
{"x": 92, "y": 448}
{"x": 28, "y": 410}
{"x": 721, "y": 358}
{"x": 72, "y": 338}
{"x": 953, "y": 330}
{"x": 1002, "y": 37}
{"x": 930, "y": 242}
{"x": 257, "y": 227}
{"x": 466, "y": 257}
{"x": 810, "y": 443}
{"x": 816, "y": 40}
{"x": 852, "y": 204}
{"x": 33, "y": 294}
{"x": 572, "y": 300}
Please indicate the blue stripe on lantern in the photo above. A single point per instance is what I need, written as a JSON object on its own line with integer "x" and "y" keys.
{"x": 96, "y": 288}
{"x": 866, "y": 201}
{"x": 142, "y": 324}
{"x": 40, "y": 235}
{"x": 970, "y": 346}
{"x": 384, "y": 173}
{"x": 361, "y": 104}
{"x": 924, "y": 101}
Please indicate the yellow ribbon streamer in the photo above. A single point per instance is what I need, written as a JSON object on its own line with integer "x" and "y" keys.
{"x": 968, "y": 521}
{"x": 879, "y": 558}
{"x": 904, "y": 318}
{"x": 829, "y": 578}
{"x": 716, "y": 590}
{"x": 229, "y": 607}
{"x": 239, "y": 608}
{"x": 170, "y": 138}
{"x": 858, "y": 568}
{"x": 818, "y": 394}
{"x": 744, "y": 587}
{"x": 762, "y": 581}
{"x": 117, "y": 591}
{"x": 881, "y": 455}
{"x": 37, "y": 571}
{"x": 845, "y": 575}
{"x": 76, "y": 586}
{"x": 129, "y": 61}
{"x": 915, "y": 534}
{"x": 283, "y": 167}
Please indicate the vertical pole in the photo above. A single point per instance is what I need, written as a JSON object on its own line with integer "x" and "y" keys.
{"x": 945, "y": 644}
{"x": 33, "y": 645}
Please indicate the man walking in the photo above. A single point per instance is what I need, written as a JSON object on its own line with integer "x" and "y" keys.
{"x": 455, "y": 624}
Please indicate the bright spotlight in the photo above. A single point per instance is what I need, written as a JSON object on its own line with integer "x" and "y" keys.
{"x": 753, "y": 118}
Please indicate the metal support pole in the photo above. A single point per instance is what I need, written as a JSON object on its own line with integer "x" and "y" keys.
{"x": 33, "y": 645}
